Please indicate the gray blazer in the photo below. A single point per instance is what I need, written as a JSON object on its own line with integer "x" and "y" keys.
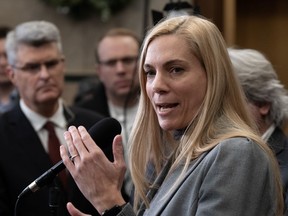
{"x": 234, "y": 178}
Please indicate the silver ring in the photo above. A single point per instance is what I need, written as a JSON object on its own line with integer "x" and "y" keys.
{"x": 74, "y": 156}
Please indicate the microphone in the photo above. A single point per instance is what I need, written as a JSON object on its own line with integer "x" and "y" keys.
{"x": 103, "y": 133}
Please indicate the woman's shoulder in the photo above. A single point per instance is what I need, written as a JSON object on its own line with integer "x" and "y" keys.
{"x": 238, "y": 148}
{"x": 238, "y": 143}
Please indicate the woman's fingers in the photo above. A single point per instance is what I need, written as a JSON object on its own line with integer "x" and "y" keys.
{"x": 74, "y": 141}
{"x": 94, "y": 174}
{"x": 66, "y": 159}
{"x": 118, "y": 150}
{"x": 71, "y": 137}
{"x": 73, "y": 211}
{"x": 87, "y": 139}
{"x": 73, "y": 151}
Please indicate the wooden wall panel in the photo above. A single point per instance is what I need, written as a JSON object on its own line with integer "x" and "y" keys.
{"x": 263, "y": 25}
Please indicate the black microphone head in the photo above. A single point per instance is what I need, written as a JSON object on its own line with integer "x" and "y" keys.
{"x": 103, "y": 133}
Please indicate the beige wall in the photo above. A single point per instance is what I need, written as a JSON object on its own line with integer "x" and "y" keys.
{"x": 263, "y": 25}
{"x": 78, "y": 36}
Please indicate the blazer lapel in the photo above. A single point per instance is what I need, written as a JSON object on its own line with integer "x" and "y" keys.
{"x": 277, "y": 140}
{"x": 157, "y": 183}
{"x": 25, "y": 139}
{"x": 157, "y": 206}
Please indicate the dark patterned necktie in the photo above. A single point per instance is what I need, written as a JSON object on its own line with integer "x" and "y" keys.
{"x": 54, "y": 149}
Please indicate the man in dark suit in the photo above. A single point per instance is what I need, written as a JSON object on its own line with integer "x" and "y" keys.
{"x": 267, "y": 100}
{"x": 36, "y": 68}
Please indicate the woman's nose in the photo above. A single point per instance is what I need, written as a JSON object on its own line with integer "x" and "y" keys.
{"x": 160, "y": 83}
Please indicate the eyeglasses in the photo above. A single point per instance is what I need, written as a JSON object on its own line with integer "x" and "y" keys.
{"x": 126, "y": 61}
{"x": 34, "y": 68}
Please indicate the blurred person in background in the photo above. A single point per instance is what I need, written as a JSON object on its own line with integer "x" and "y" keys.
{"x": 117, "y": 93}
{"x": 8, "y": 93}
{"x": 267, "y": 100}
{"x": 32, "y": 131}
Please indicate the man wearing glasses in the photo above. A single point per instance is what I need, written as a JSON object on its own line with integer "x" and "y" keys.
{"x": 116, "y": 94}
{"x": 31, "y": 133}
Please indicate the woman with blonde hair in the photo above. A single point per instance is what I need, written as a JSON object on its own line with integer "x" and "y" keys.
{"x": 194, "y": 149}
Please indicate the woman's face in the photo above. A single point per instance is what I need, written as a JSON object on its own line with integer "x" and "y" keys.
{"x": 176, "y": 81}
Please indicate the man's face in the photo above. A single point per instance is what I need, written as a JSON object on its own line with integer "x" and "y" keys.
{"x": 3, "y": 63}
{"x": 38, "y": 74}
{"x": 118, "y": 65}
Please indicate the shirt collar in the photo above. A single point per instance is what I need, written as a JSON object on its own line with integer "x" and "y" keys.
{"x": 268, "y": 132}
{"x": 38, "y": 120}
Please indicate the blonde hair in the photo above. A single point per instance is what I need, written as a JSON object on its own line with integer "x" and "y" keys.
{"x": 223, "y": 113}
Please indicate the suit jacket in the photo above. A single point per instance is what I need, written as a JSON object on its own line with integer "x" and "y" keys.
{"x": 24, "y": 159}
{"x": 96, "y": 100}
{"x": 235, "y": 178}
{"x": 278, "y": 142}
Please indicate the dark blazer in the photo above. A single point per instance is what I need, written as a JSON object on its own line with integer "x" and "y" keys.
{"x": 278, "y": 142}
{"x": 24, "y": 159}
{"x": 96, "y": 100}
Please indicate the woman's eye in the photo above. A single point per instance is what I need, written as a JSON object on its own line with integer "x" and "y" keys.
{"x": 150, "y": 73}
{"x": 176, "y": 70}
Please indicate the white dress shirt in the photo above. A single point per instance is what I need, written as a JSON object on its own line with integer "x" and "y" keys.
{"x": 38, "y": 122}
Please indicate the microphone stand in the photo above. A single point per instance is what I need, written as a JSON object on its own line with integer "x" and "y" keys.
{"x": 53, "y": 199}
{"x": 54, "y": 196}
